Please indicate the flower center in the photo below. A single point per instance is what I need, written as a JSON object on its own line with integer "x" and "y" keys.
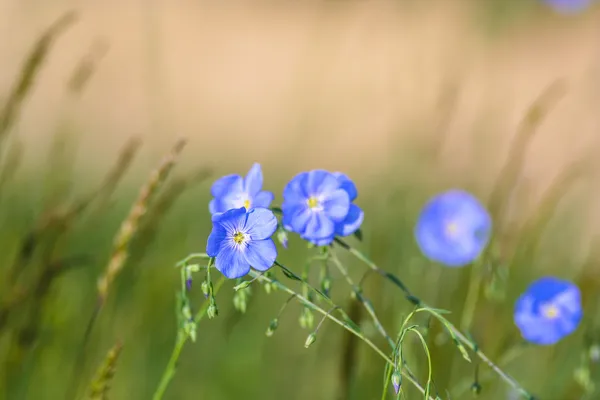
{"x": 550, "y": 311}
{"x": 240, "y": 238}
{"x": 247, "y": 204}
{"x": 313, "y": 202}
{"x": 452, "y": 229}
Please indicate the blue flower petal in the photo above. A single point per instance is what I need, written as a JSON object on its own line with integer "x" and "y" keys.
{"x": 337, "y": 205}
{"x": 261, "y": 254}
{"x": 263, "y": 199}
{"x": 320, "y": 241}
{"x": 351, "y": 223}
{"x": 261, "y": 223}
{"x": 295, "y": 190}
{"x": 536, "y": 323}
{"x": 318, "y": 227}
{"x": 227, "y": 184}
{"x": 321, "y": 182}
{"x": 231, "y": 220}
{"x": 215, "y": 239}
{"x": 254, "y": 180}
{"x": 347, "y": 184}
{"x": 298, "y": 218}
{"x": 215, "y": 206}
{"x": 232, "y": 262}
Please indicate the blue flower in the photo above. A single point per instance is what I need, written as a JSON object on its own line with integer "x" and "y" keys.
{"x": 549, "y": 310}
{"x": 241, "y": 239}
{"x": 233, "y": 191}
{"x": 568, "y": 6}
{"x": 453, "y": 228}
{"x": 317, "y": 206}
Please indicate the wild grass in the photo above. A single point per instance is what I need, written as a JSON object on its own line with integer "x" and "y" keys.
{"x": 82, "y": 269}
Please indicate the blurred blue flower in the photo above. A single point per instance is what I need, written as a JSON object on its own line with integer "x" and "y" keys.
{"x": 317, "y": 206}
{"x": 233, "y": 191}
{"x": 453, "y": 228}
{"x": 549, "y": 310}
{"x": 568, "y": 6}
{"x": 241, "y": 239}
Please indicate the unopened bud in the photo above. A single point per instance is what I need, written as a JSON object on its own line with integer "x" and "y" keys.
{"x": 205, "y": 289}
{"x": 310, "y": 340}
{"x": 242, "y": 285}
{"x": 186, "y": 312}
{"x": 272, "y": 327}
{"x": 326, "y": 285}
{"x": 193, "y": 268}
{"x": 212, "y": 311}
{"x": 396, "y": 381}
{"x": 307, "y": 319}
{"x": 282, "y": 238}
{"x": 268, "y": 287}
{"x": 240, "y": 302}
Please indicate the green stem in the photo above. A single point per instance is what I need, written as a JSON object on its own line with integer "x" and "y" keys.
{"x": 459, "y": 336}
{"x": 471, "y": 300}
{"x": 182, "y": 338}
{"x": 171, "y": 366}
{"x": 341, "y": 323}
{"x": 364, "y": 301}
{"x": 506, "y": 359}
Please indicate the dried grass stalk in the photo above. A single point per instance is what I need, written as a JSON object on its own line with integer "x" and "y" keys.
{"x": 130, "y": 226}
{"x": 101, "y": 384}
{"x": 30, "y": 69}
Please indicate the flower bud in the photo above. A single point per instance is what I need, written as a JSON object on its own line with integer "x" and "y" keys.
{"x": 310, "y": 340}
{"x": 212, "y": 311}
{"x": 307, "y": 319}
{"x": 282, "y": 238}
{"x": 272, "y": 327}
{"x": 396, "y": 381}
{"x": 242, "y": 285}
{"x": 205, "y": 289}
{"x": 193, "y": 268}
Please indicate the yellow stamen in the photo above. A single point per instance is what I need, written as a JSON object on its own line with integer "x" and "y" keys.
{"x": 247, "y": 204}
{"x": 550, "y": 311}
{"x": 452, "y": 228}
{"x": 239, "y": 238}
{"x": 313, "y": 202}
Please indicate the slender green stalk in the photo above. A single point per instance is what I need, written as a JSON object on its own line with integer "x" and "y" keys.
{"x": 424, "y": 344}
{"x": 454, "y": 332}
{"x": 364, "y": 301}
{"x": 472, "y": 297}
{"x": 182, "y": 338}
{"x": 352, "y": 329}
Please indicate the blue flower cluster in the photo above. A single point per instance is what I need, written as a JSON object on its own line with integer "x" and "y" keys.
{"x": 453, "y": 229}
{"x": 318, "y": 205}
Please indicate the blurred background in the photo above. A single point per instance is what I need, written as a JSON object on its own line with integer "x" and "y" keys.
{"x": 407, "y": 97}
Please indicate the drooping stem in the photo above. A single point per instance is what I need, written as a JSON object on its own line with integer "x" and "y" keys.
{"x": 351, "y": 328}
{"x": 458, "y": 335}
{"x": 359, "y": 296}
